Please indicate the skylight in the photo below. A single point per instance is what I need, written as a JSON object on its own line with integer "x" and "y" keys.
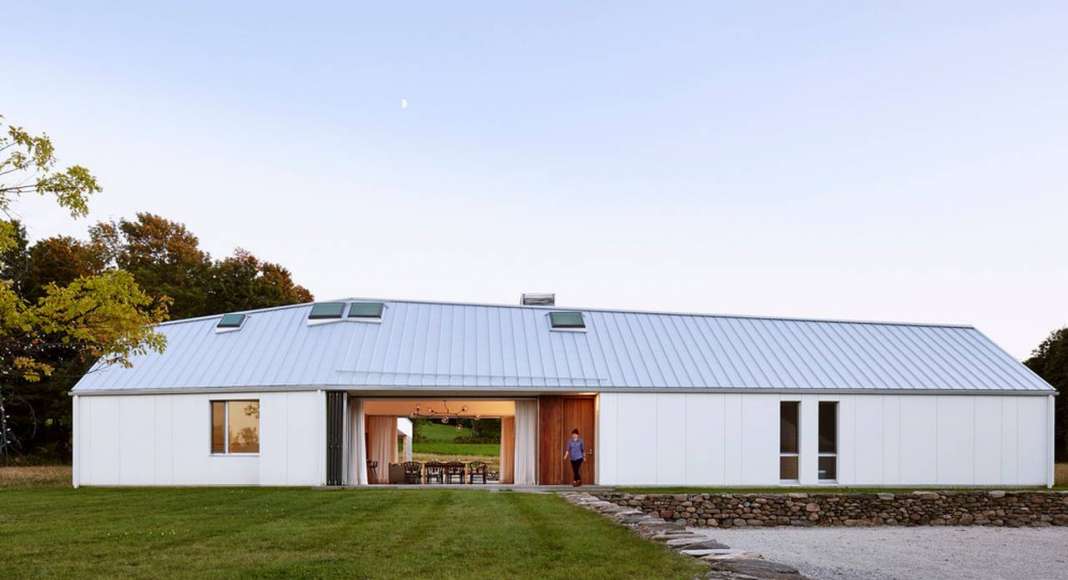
{"x": 567, "y": 320}
{"x": 365, "y": 310}
{"x": 231, "y": 321}
{"x": 324, "y": 310}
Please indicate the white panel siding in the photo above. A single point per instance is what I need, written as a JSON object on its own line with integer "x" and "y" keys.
{"x": 883, "y": 440}
{"x": 919, "y": 437}
{"x": 166, "y": 440}
{"x": 705, "y": 444}
{"x": 956, "y": 417}
{"x": 671, "y": 440}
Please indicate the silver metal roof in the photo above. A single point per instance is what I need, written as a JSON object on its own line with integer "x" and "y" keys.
{"x": 478, "y": 346}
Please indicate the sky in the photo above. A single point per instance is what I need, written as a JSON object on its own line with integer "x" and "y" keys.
{"x": 902, "y": 161}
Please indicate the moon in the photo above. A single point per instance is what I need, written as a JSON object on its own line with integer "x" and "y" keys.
{"x": 404, "y": 103}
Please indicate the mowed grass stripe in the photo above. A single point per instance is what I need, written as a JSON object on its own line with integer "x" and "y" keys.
{"x": 367, "y": 533}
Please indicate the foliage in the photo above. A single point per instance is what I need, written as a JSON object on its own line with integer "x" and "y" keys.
{"x": 435, "y": 438}
{"x": 28, "y": 165}
{"x": 1050, "y": 361}
{"x": 166, "y": 260}
{"x": 54, "y": 305}
{"x": 301, "y": 533}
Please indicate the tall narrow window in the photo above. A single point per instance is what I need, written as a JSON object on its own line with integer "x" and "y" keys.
{"x": 828, "y": 452}
{"x": 235, "y": 427}
{"x": 789, "y": 419}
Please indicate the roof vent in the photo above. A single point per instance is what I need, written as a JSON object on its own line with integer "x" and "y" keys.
{"x": 538, "y": 299}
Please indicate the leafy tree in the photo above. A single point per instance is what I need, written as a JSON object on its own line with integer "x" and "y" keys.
{"x": 243, "y": 282}
{"x": 1050, "y": 361}
{"x": 164, "y": 257}
{"x": 103, "y": 316}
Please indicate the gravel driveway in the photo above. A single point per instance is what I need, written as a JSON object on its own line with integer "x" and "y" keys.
{"x": 909, "y": 553}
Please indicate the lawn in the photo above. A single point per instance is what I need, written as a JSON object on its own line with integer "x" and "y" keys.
{"x": 264, "y": 532}
{"x": 440, "y": 439}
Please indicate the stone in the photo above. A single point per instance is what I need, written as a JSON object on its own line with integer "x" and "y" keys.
{"x": 759, "y": 569}
{"x": 996, "y": 494}
{"x": 812, "y": 507}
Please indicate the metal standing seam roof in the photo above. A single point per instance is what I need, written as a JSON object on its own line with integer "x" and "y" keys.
{"x": 458, "y": 346}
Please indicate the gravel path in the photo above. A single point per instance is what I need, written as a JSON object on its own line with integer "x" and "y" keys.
{"x": 909, "y": 553}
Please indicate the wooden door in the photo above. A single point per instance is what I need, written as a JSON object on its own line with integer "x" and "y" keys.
{"x": 557, "y": 416}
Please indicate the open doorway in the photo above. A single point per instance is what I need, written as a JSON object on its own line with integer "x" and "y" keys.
{"x": 451, "y": 441}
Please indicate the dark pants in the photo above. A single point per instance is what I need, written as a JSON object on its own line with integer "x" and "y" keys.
{"x": 576, "y": 465}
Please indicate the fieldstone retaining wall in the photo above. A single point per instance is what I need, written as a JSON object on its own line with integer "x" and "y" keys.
{"x": 920, "y": 508}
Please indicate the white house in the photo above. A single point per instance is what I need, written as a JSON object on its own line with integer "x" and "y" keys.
{"x": 309, "y": 395}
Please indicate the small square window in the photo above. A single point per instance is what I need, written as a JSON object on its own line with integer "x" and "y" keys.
{"x": 326, "y": 310}
{"x": 365, "y": 310}
{"x": 566, "y": 320}
{"x": 231, "y": 321}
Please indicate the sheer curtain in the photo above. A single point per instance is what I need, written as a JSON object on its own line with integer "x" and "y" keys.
{"x": 357, "y": 455}
{"x": 507, "y": 450}
{"x": 381, "y": 445}
{"x": 526, "y": 429}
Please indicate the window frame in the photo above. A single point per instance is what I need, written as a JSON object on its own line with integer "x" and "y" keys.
{"x": 795, "y": 454}
{"x": 360, "y": 318}
{"x": 824, "y": 454}
{"x": 570, "y": 328}
{"x": 226, "y": 428}
{"x": 312, "y": 317}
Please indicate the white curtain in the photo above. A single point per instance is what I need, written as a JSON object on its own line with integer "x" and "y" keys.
{"x": 407, "y": 447}
{"x": 357, "y": 440}
{"x": 507, "y": 474}
{"x": 526, "y": 437}
{"x": 381, "y": 445}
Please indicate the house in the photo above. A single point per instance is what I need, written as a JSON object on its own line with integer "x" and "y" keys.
{"x": 309, "y": 395}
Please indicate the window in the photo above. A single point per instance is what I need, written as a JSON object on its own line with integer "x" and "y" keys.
{"x": 231, "y": 321}
{"x": 789, "y": 420}
{"x": 365, "y": 310}
{"x": 235, "y": 427}
{"x": 828, "y": 452}
{"x": 326, "y": 310}
{"x": 570, "y": 320}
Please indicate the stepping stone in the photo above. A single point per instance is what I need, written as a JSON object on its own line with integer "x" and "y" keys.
{"x": 685, "y": 540}
{"x": 759, "y": 569}
{"x": 708, "y": 545}
{"x": 728, "y": 555}
{"x": 699, "y": 553}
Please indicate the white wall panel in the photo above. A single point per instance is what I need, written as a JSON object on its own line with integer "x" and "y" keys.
{"x": 760, "y": 454}
{"x": 919, "y": 439}
{"x": 867, "y": 430}
{"x": 988, "y": 445}
{"x": 166, "y": 440}
{"x": 956, "y": 432}
{"x": 671, "y": 441}
{"x": 705, "y": 441}
{"x": 1033, "y": 444}
{"x": 891, "y": 440}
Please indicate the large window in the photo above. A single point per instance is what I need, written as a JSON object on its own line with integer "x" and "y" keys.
{"x": 235, "y": 427}
{"x": 789, "y": 419}
{"x": 828, "y": 452}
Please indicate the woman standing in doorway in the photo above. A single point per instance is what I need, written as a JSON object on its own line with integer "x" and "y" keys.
{"x": 576, "y": 453}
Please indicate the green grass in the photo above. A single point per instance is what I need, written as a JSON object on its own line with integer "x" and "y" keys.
{"x": 287, "y": 533}
{"x": 440, "y": 439}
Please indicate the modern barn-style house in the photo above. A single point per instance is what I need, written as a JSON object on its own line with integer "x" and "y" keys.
{"x": 310, "y": 395}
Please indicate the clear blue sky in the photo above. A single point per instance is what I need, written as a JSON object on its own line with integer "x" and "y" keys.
{"x": 867, "y": 160}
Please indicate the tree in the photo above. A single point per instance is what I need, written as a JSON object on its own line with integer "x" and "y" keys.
{"x": 164, "y": 257}
{"x": 243, "y": 282}
{"x": 103, "y": 316}
{"x": 1050, "y": 361}
{"x": 167, "y": 262}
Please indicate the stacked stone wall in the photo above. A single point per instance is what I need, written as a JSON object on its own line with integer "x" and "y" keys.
{"x": 921, "y": 508}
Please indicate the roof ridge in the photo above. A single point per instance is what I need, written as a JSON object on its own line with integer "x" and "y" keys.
{"x": 827, "y": 320}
